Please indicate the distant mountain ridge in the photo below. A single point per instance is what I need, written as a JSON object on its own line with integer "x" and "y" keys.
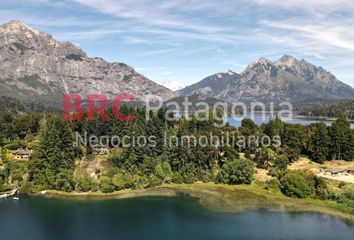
{"x": 287, "y": 79}
{"x": 34, "y": 67}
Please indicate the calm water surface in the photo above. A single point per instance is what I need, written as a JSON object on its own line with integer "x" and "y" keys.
{"x": 260, "y": 119}
{"x": 155, "y": 218}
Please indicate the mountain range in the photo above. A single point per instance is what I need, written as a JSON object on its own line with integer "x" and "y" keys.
{"x": 34, "y": 67}
{"x": 287, "y": 79}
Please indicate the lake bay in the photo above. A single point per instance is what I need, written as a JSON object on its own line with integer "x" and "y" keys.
{"x": 33, "y": 218}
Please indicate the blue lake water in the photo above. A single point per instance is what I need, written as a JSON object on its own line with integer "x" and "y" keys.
{"x": 260, "y": 119}
{"x": 156, "y": 218}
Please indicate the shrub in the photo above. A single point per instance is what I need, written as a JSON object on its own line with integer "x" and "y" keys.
{"x": 117, "y": 159}
{"x": 119, "y": 182}
{"x": 123, "y": 180}
{"x": 64, "y": 180}
{"x": 85, "y": 184}
{"x": 205, "y": 176}
{"x": 188, "y": 173}
{"x": 159, "y": 172}
{"x": 177, "y": 178}
{"x": 273, "y": 185}
{"x": 346, "y": 197}
{"x": 28, "y": 188}
{"x": 17, "y": 144}
{"x": 166, "y": 167}
{"x": 236, "y": 172}
{"x": 300, "y": 184}
{"x": 281, "y": 162}
{"x": 2, "y": 184}
{"x": 321, "y": 188}
{"x": 264, "y": 157}
{"x": 154, "y": 181}
{"x": 17, "y": 177}
{"x": 295, "y": 185}
{"x": 106, "y": 185}
{"x": 348, "y": 192}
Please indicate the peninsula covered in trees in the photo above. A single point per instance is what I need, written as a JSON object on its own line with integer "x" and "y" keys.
{"x": 56, "y": 163}
{"x": 327, "y": 109}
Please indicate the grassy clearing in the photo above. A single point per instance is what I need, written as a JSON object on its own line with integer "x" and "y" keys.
{"x": 304, "y": 163}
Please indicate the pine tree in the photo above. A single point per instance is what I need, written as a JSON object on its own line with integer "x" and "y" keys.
{"x": 342, "y": 139}
{"x": 296, "y": 140}
{"x": 54, "y": 155}
{"x": 319, "y": 149}
{"x": 250, "y": 131}
{"x": 7, "y": 126}
{"x": 275, "y": 127}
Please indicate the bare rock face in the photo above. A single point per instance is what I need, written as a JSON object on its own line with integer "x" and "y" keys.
{"x": 34, "y": 67}
{"x": 287, "y": 79}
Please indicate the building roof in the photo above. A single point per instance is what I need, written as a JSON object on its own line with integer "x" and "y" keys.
{"x": 100, "y": 147}
{"x": 21, "y": 152}
{"x": 336, "y": 170}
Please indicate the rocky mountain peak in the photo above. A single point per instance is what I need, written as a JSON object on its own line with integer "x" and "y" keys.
{"x": 262, "y": 60}
{"x": 23, "y": 37}
{"x": 259, "y": 62}
{"x": 287, "y": 59}
{"x": 34, "y": 67}
{"x": 287, "y": 79}
{"x": 17, "y": 26}
{"x": 259, "y": 66}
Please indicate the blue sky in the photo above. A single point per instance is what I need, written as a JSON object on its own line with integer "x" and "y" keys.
{"x": 187, "y": 40}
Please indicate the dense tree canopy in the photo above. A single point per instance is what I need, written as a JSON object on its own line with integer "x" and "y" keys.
{"x": 319, "y": 145}
{"x": 237, "y": 172}
{"x": 342, "y": 139}
{"x": 53, "y": 162}
{"x": 52, "y": 165}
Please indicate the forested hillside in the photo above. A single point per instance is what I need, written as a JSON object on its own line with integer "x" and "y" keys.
{"x": 55, "y": 162}
{"x": 15, "y": 106}
{"x": 328, "y": 109}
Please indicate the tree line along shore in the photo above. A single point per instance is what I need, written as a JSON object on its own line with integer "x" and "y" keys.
{"x": 56, "y": 164}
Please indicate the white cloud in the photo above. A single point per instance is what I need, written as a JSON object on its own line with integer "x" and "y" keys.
{"x": 310, "y": 5}
{"x": 328, "y": 35}
{"x": 156, "y": 52}
{"x": 152, "y": 12}
{"x": 136, "y": 40}
{"x": 222, "y": 33}
{"x": 37, "y": 1}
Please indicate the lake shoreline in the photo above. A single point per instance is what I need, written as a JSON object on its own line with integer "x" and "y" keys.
{"x": 318, "y": 118}
{"x": 222, "y": 198}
